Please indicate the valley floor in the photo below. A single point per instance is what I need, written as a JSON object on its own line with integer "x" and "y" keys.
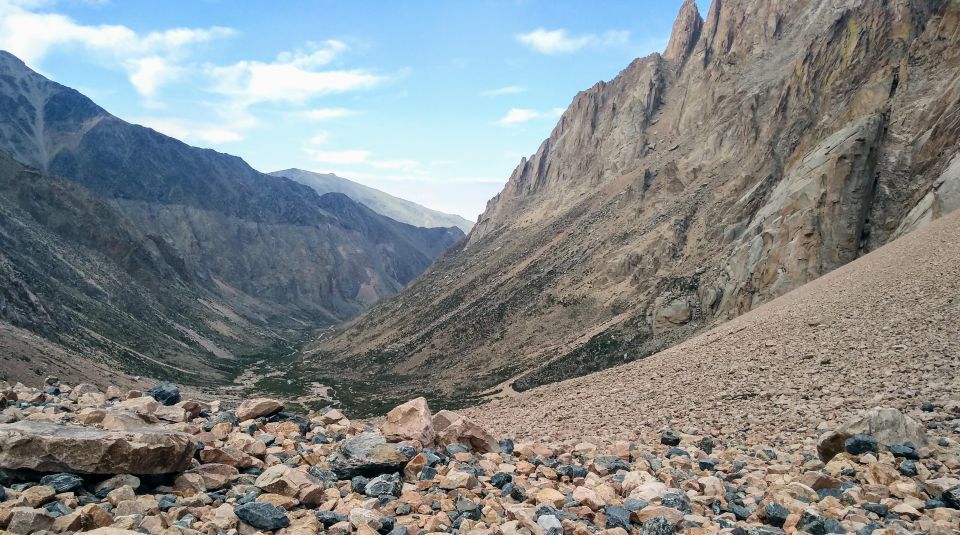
{"x": 881, "y": 331}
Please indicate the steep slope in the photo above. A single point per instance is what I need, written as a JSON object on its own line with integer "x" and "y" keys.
{"x": 782, "y": 369}
{"x": 265, "y": 259}
{"x": 772, "y": 143}
{"x": 383, "y": 203}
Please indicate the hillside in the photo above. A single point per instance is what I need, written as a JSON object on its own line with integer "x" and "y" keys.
{"x": 383, "y": 203}
{"x": 784, "y": 368}
{"x": 771, "y": 143}
{"x": 159, "y": 252}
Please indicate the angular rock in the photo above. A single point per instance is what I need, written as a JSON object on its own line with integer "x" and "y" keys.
{"x": 366, "y": 454}
{"x": 47, "y": 447}
{"x": 410, "y": 421}
{"x": 452, "y": 428}
{"x": 262, "y": 516}
{"x": 26, "y": 520}
{"x": 166, "y": 393}
{"x": 886, "y": 425}
{"x": 251, "y": 409}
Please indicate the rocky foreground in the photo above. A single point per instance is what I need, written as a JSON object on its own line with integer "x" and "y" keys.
{"x": 78, "y": 459}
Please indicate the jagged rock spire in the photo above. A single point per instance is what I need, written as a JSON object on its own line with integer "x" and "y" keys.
{"x": 686, "y": 32}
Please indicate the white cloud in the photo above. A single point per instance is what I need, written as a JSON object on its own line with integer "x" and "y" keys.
{"x": 560, "y": 42}
{"x": 150, "y": 60}
{"x": 325, "y": 114}
{"x": 508, "y": 90}
{"x": 191, "y": 131}
{"x": 403, "y": 165}
{"x": 293, "y": 78}
{"x": 522, "y": 115}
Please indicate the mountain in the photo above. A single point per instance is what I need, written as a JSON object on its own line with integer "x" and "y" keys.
{"x": 165, "y": 253}
{"x": 383, "y": 203}
{"x": 771, "y": 143}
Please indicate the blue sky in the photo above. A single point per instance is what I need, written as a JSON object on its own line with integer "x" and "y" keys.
{"x": 435, "y": 102}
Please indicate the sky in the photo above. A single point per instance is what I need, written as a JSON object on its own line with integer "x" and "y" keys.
{"x": 435, "y": 102}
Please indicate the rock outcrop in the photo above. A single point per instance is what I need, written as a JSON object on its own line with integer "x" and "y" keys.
{"x": 771, "y": 143}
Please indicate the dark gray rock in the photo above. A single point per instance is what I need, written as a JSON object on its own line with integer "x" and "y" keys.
{"x": 166, "y": 393}
{"x": 670, "y": 438}
{"x": 500, "y": 479}
{"x": 329, "y": 518}
{"x": 572, "y": 471}
{"x": 775, "y": 514}
{"x": 262, "y": 516}
{"x": 906, "y": 451}
{"x": 860, "y": 444}
{"x": 62, "y": 482}
{"x": 952, "y": 497}
{"x": 617, "y": 517}
{"x": 908, "y": 468}
{"x": 386, "y": 484}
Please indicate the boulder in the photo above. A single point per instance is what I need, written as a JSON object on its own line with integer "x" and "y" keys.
{"x": 410, "y": 421}
{"x": 452, "y": 428}
{"x": 887, "y": 426}
{"x": 48, "y": 447}
{"x": 262, "y": 516}
{"x": 166, "y": 393}
{"x": 258, "y": 407}
{"x": 28, "y": 520}
{"x": 366, "y": 454}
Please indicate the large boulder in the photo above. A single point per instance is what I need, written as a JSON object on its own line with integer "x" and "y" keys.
{"x": 410, "y": 421}
{"x": 886, "y": 425}
{"x": 257, "y": 407}
{"x": 368, "y": 455}
{"x": 48, "y": 447}
{"x": 452, "y": 428}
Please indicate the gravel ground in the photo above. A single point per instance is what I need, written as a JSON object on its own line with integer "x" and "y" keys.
{"x": 881, "y": 331}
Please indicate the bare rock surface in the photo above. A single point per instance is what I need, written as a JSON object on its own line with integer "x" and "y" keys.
{"x": 771, "y": 143}
{"x": 50, "y": 447}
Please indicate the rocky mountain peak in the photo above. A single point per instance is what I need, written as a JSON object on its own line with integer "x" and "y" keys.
{"x": 686, "y": 32}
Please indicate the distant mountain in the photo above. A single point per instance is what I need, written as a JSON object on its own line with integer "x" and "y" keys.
{"x": 383, "y": 203}
{"x": 166, "y": 253}
{"x": 771, "y": 143}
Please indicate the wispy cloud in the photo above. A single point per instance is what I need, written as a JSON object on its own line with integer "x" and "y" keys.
{"x": 319, "y": 138}
{"x": 358, "y": 157}
{"x": 150, "y": 60}
{"x": 508, "y": 90}
{"x": 326, "y": 114}
{"x": 559, "y": 41}
{"x": 523, "y": 115}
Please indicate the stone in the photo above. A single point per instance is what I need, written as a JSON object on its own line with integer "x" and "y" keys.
{"x": 657, "y": 526}
{"x": 452, "y": 428}
{"x": 47, "y": 447}
{"x": 251, "y": 409}
{"x": 383, "y": 485}
{"x": 262, "y": 516}
{"x": 775, "y": 514}
{"x": 669, "y": 438}
{"x": 588, "y": 497}
{"x": 886, "y": 425}
{"x": 860, "y": 444}
{"x": 551, "y": 496}
{"x": 62, "y": 482}
{"x": 410, "y": 421}
{"x": 24, "y": 520}
{"x": 37, "y": 495}
{"x": 366, "y": 454}
{"x": 360, "y": 517}
{"x": 550, "y": 525}
{"x": 165, "y": 393}
{"x": 284, "y": 480}
{"x": 951, "y": 497}
{"x": 617, "y": 517}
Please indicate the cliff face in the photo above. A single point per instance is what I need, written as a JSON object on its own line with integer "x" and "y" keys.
{"x": 211, "y": 258}
{"x": 771, "y": 143}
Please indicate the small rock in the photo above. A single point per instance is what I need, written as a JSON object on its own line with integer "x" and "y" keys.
{"x": 166, "y": 393}
{"x": 669, "y": 438}
{"x": 618, "y": 517}
{"x": 860, "y": 444}
{"x": 251, "y": 409}
{"x": 657, "y": 526}
{"x": 62, "y": 482}
{"x": 262, "y": 516}
{"x": 383, "y": 485}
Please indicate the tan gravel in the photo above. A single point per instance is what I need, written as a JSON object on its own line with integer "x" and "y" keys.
{"x": 882, "y": 330}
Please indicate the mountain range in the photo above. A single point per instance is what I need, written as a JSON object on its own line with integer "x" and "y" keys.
{"x": 383, "y": 203}
{"x": 770, "y": 143}
{"x": 139, "y": 251}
